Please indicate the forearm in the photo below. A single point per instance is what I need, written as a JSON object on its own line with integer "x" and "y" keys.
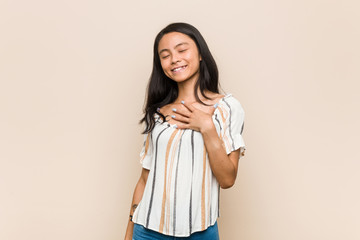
{"x": 222, "y": 167}
{"x": 137, "y": 195}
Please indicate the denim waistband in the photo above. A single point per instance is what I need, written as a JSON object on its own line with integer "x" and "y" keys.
{"x": 142, "y": 233}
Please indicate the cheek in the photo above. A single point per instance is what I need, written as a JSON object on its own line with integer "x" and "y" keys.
{"x": 189, "y": 56}
{"x": 193, "y": 57}
{"x": 195, "y": 63}
{"x": 164, "y": 65}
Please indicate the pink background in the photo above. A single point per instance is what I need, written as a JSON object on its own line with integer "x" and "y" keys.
{"x": 72, "y": 82}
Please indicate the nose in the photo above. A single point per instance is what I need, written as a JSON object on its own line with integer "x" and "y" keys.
{"x": 175, "y": 58}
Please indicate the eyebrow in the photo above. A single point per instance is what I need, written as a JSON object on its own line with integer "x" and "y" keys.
{"x": 177, "y": 45}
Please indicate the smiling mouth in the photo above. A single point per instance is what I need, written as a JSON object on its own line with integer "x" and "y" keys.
{"x": 178, "y": 69}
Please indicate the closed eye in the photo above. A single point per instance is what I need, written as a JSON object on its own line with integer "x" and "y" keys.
{"x": 183, "y": 50}
{"x": 163, "y": 57}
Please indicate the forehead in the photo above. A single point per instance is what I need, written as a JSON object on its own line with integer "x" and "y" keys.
{"x": 171, "y": 40}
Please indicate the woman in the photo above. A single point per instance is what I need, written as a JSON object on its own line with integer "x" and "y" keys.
{"x": 192, "y": 142}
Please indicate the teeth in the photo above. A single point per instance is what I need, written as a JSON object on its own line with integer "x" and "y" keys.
{"x": 177, "y": 69}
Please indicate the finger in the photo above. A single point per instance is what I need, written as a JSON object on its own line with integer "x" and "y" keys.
{"x": 187, "y": 126}
{"x": 181, "y": 126}
{"x": 188, "y": 106}
{"x": 182, "y": 111}
{"x": 180, "y": 118}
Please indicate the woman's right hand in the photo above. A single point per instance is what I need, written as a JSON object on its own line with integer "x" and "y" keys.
{"x": 129, "y": 230}
{"x": 138, "y": 192}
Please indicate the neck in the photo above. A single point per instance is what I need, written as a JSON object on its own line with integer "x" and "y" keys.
{"x": 186, "y": 91}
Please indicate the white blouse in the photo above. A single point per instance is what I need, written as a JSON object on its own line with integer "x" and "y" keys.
{"x": 181, "y": 195}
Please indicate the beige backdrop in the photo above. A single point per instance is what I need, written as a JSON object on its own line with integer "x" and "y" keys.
{"x": 73, "y": 76}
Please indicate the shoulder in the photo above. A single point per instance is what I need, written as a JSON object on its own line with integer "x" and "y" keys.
{"x": 231, "y": 102}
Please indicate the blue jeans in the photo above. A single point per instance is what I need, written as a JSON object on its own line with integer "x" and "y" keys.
{"x": 142, "y": 233}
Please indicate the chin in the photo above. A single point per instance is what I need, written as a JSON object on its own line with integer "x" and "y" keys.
{"x": 179, "y": 80}
{"x": 181, "y": 77}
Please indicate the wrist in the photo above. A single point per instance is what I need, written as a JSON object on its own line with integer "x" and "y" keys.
{"x": 207, "y": 127}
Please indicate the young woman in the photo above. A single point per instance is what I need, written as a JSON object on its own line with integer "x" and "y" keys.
{"x": 192, "y": 142}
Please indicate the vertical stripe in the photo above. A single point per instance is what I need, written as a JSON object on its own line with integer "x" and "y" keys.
{"x": 218, "y": 203}
{"x": 208, "y": 194}
{"x": 168, "y": 183}
{"x": 211, "y": 206}
{"x": 154, "y": 177}
{"x": 146, "y": 147}
{"x": 175, "y": 190}
{"x": 203, "y": 191}
{"x": 192, "y": 173}
{"x": 225, "y": 138}
{"x": 161, "y": 227}
{"x": 218, "y": 123}
{"x": 140, "y": 205}
{"x": 232, "y": 140}
{"x": 220, "y": 135}
{"x": 222, "y": 114}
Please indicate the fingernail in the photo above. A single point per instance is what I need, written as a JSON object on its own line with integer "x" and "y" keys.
{"x": 174, "y": 109}
{"x": 173, "y": 116}
{"x": 175, "y": 126}
{"x": 182, "y": 102}
{"x": 216, "y": 105}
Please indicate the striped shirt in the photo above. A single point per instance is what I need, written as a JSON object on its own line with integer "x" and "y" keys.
{"x": 181, "y": 195}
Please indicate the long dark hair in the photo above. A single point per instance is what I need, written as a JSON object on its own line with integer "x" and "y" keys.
{"x": 162, "y": 90}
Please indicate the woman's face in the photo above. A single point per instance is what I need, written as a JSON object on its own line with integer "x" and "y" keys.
{"x": 179, "y": 57}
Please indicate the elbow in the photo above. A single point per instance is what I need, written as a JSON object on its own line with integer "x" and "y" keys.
{"x": 227, "y": 184}
{"x": 228, "y": 181}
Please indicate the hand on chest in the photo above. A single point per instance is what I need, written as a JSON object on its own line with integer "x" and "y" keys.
{"x": 195, "y": 116}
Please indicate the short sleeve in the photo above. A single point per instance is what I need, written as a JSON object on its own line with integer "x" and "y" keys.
{"x": 233, "y": 126}
{"x": 146, "y": 152}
